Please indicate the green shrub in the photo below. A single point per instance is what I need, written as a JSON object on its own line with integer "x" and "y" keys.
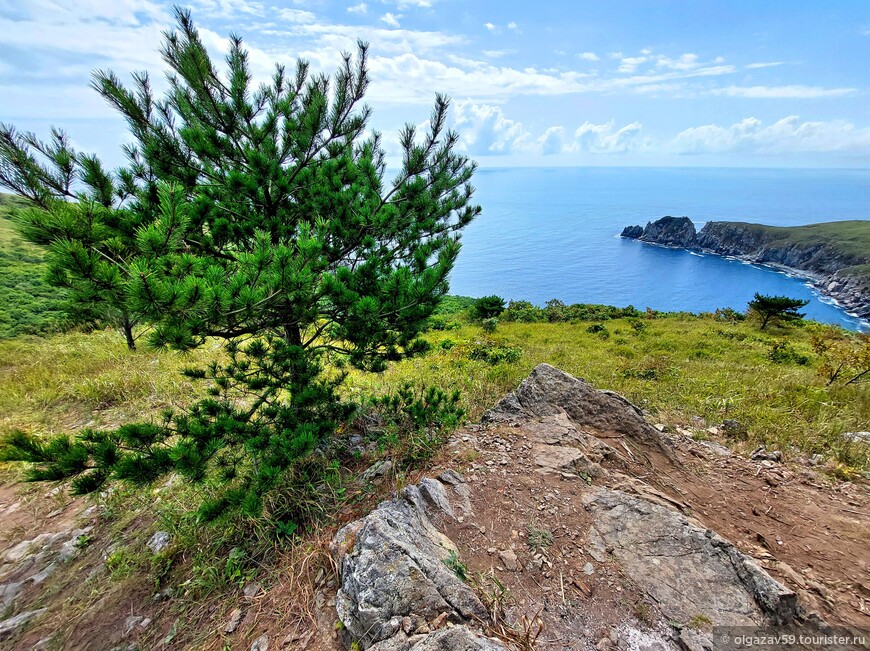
{"x": 496, "y": 354}
{"x": 487, "y": 307}
{"x": 783, "y": 352}
{"x": 728, "y": 315}
{"x": 489, "y": 325}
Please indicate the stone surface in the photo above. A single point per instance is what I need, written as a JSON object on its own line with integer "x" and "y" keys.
{"x": 548, "y": 392}
{"x": 687, "y": 570}
{"x": 392, "y": 565}
{"x": 561, "y": 458}
{"x": 158, "y": 542}
{"x": 377, "y": 471}
{"x": 13, "y": 624}
{"x": 233, "y": 622}
{"x": 856, "y": 437}
{"x": 251, "y": 590}
{"x": 261, "y": 643}
{"x": 457, "y": 638}
{"x": 509, "y": 559}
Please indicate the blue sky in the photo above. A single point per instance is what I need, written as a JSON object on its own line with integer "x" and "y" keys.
{"x": 669, "y": 83}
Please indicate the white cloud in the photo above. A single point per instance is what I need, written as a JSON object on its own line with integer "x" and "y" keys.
{"x": 630, "y": 64}
{"x": 361, "y": 8}
{"x": 788, "y": 135}
{"x": 489, "y": 26}
{"x": 484, "y": 130}
{"x": 588, "y": 56}
{"x": 781, "y": 92}
{"x": 390, "y": 19}
{"x": 497, "y": 54}
{"x": 602, "y": 139}
{"x": 512, "y": 26}
{"x": 686, "y": 61}
{"x": 767, "y": 64}
{"x": 552, "y": 142}
{"x": 296, "y": 16}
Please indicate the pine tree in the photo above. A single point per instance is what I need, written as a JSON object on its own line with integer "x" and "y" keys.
{"x": 264, "y": 219}
{"x": 75, "y": 212}
{"x": 776, "y": 308}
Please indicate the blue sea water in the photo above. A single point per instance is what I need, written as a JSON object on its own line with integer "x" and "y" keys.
{"x": 553, "y": 233}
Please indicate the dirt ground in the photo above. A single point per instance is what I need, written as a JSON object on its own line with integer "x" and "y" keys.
{"x": 809, "y": 532}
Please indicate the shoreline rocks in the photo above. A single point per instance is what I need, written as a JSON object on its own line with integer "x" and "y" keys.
{"x": 834, "y": 274}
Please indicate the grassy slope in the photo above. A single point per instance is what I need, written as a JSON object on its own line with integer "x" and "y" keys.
{"x": 29, "y": 305}
{"x": 852, "y": 238}
{"x": 676, "y": 368}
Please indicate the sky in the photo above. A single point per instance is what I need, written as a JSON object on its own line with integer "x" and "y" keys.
{"x": 727, "y": 83}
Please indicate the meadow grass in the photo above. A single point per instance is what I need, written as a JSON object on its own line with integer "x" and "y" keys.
{"x": 675, "y": 367}
{"x": 30, "y": 305}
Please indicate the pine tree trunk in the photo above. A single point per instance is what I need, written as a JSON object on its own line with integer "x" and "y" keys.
{"x": 292, "y": 335}
{"x": 127, "y": 328}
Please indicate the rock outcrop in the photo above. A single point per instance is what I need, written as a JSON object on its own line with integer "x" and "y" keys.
{"x": 688, "y": 569}
{"x": 399, "y": 585}
{"x": 548, "y": 391}
{"x": 840, "y": 273}
{"x": 396, "y": 588}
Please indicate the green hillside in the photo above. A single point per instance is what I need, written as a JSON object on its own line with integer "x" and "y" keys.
{"x": 851, "y": 238}
{"x": 28, "y": 305}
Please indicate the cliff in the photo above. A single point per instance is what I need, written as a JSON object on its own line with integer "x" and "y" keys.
{"x": 834, "y": 256}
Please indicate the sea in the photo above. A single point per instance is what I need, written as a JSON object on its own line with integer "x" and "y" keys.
{"x": 554, "y": 233}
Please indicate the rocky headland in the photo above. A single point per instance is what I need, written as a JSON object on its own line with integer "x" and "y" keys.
{"x": 834, "y": 256}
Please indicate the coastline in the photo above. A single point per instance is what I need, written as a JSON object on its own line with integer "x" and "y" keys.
{"x": 846, "y": 291}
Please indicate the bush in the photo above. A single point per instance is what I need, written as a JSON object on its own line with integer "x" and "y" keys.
{"x": 523, "y": 312}
{"x": 418, "y": 421}
{"x": 783, "y": 352}
{"x": 494, "y": 354}
{"x": 489, "y": 325}
{"x": 728, "y": 315}
{"x": 487, "y": 307}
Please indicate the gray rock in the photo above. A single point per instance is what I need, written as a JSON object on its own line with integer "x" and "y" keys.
{"x": 252, "y": 589}
{"x": 14, "y": 624}
{"x": 261, "y": 643}
{"x": 233, "y": 622}
{"x": 632, "y": 232}
{"x": 457, "y": 638}
{"x": 686, "y": 569}
{"x": 377, "y": 471}
{"x": 548, "y": 391}
{"x": 561, "y": 458}
{"x": 158, "y": 542}
{"x": 856, "y": 437}
{"x": 762, "y": 454}
{"x": 131, "y": 623}
{"x": 509, "y": 559}
{"x": 391, "y": 565}
{"x": 8, "y": 593}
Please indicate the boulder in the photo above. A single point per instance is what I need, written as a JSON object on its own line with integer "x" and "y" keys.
{"x": 392, "y": 566}
{"x": 457, "y": 638}
{"x": 688, "y": 570}
{"x": 549, "y": 391}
